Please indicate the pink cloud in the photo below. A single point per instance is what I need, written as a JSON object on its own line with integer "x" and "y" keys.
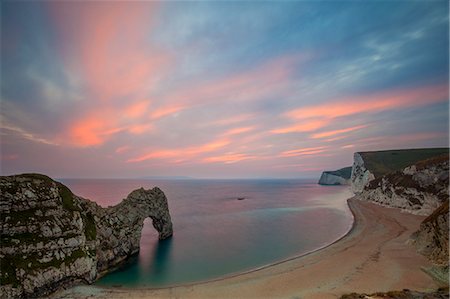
{"x": 104, "y": 42}
{"x": 122, "y": 149}
{"x": 316, "y": 117}
{"x": 303, "y": 151}
{"x": 238, "y": 131}
{"x": 182, "y": 153}
{"x": 105, "y": 45}
{"x": 228, "y": 158}
{"x": 269, "y": 78}
{"x": 303, "y": 126}
{"x": 376, "y": 102}
{"x": 337, "y": 132}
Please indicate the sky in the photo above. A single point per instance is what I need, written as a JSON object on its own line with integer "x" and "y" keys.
{"x": 218, "y": 89}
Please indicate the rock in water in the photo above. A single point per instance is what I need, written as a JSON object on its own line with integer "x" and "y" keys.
{"x": 51, "y": 237}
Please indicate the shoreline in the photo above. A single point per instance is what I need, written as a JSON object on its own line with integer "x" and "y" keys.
{"x": 372, "y": 256}
{"x": 237, "y": 274}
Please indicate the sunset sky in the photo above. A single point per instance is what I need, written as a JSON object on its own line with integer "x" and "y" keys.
{"x": 218, "y": 89}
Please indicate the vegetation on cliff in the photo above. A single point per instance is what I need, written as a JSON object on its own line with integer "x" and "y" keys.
{"x": 51, "y": 237}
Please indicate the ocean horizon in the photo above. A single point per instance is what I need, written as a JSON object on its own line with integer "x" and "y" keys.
{"x": 215, "y": 234}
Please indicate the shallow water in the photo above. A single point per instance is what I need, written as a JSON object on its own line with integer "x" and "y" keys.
{"x": 216, "y": 235}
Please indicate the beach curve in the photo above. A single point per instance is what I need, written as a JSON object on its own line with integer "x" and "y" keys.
{"x": 372, "y": 256}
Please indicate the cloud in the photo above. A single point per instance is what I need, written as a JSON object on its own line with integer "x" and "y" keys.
{"x": 375, "y": 102}
{"x": 332, "y": 113}
{"x": 106, "y": 46}
{"x": 229, "y": 158}
{"x": 181, "y": 153}
{"x": 336, "y": 132}
{"x": 238, "y": 131}
{"x": 303, "y": 151}
{"x": 25, "y": 134}
{"x": 303, "y": 126}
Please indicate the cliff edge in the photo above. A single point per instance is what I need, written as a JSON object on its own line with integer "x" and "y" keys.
{"x": 400, "y": 179}
{"x": 337, "y": 177}
{"x": 368, "y": 166}
{"x": 419, "y": 188}
{"x": 51, "y": 237}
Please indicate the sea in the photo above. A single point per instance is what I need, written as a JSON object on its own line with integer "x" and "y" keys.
{"x": 215, "y": 234}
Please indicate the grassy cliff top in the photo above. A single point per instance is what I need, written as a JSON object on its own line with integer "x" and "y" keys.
{"x": 383, "y": 162}
{"x": 345, "y": 172}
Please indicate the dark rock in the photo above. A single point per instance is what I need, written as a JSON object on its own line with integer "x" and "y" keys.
{"x": 52, "y": 238}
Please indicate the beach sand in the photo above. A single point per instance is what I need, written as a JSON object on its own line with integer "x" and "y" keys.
{"x": 373, "y": 256}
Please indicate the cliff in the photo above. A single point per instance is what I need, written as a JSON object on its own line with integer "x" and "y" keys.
{"x": 419, "y": 188}
{"x": 51, "y": 237}
{"x": 337, "y": 177}
{"x": 431, "y": 240}
{"x": 368, "y": 166}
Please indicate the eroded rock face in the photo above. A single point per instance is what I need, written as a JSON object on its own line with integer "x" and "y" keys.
{"x": 51, "y": 237}
{"x": 432, "y": 237}
{"x": 420, "y": 188}
{"x": 431, "y": 240}
{"x": 119, "y": 227}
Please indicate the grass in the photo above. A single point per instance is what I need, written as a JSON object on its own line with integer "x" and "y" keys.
{"x": 383, "y": 162}
{"x": 67, "y": 198}
{"x": 345, "y": 172}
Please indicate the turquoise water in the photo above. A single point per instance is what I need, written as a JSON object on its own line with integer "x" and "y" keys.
{"x": 216, "y": 235}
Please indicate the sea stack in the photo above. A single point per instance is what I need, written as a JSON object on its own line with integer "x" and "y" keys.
{"x": 51, "y": 237}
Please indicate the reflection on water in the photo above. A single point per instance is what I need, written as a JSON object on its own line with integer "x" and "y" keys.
{"x": 217, "y": 235}
{"x": 160, "y": 258}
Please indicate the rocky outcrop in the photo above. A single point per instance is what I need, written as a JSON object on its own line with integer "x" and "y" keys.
{"x": 431, "y": 240}
{"x": 368, "y": 166}
{"x": 337, "y": 177}
{"x": 119, "y": 227}
{"x": 420, "y": 188}
{"x": 361, "y": 176}
{"x": 440, "y": 293}
{"x": 51, "y": 237}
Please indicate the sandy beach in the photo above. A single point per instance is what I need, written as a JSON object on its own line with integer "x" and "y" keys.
{"x": 373, "y": 256}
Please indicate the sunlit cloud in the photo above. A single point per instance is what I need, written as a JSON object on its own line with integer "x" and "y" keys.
{"x": 228, "y": 158}
{"x": 115, "y": 83}
{"x": 235, "y": 119}
{"x": 26, "y": 135}
{"x": 304, "y": 126}
{"x": 166, "y": 110}
{"x": 303, "y": 152}
{"x": 237, "y": 131}
{"x": 348, "y": 146}
{"x": 376, "y": 102}
{"x": 122, "y": 149}
{"x": 137, "y": 109}
{"x": 337, "y": 132}
{"x": 182, "y": 152}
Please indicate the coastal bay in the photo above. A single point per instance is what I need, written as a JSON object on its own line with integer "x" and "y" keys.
{"x": 373, "y": 256}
